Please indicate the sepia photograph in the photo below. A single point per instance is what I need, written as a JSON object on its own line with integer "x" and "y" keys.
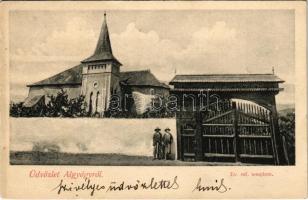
{"x": 153, "y": 100}
{"x": 152, "y": 87}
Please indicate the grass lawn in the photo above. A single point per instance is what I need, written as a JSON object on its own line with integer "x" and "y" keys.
{"x": 47, "y": 158}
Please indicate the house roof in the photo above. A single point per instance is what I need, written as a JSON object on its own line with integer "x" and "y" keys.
{"x": 225, "y": 78}
{"x": 103, "y": 50}
{"x": 141, "y": 78}
{"x": 32, "y": 100}
{"x": 73, "y": 76}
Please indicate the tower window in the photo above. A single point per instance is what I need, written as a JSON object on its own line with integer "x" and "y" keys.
{"x": 101, "y": 66}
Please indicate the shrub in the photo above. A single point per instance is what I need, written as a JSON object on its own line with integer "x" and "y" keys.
{"x": 287, "y": 129}
{"x": 58, "y": 106}
{"x": 61, "y": 106}
{"x": 16, "y": 109}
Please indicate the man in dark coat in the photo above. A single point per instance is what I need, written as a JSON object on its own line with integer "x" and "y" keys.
{"x": 157, "y": 137}
{"x": 166, "y": 143}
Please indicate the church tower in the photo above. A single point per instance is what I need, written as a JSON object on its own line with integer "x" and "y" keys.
{"x": 100, "y": 75}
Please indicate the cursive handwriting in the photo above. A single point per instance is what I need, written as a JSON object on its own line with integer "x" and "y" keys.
{"x": 219, "y": 186}
{"x": 152, "y": 185}
{"x": 87, "y": 185}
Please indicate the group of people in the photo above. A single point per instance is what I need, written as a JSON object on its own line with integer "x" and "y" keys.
{"x": 162, "y": 144}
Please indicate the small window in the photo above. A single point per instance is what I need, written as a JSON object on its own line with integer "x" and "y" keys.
{"x": 95, "y": 84}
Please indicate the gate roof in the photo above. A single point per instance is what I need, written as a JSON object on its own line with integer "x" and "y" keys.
{"x": 226, "y": 78}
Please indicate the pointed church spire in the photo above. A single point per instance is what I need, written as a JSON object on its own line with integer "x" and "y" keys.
{"x": 103, "y": 50}
{"x": 103, "y": 44}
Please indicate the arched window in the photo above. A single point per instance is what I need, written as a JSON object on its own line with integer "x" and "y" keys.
{"x": 96, "y": 102}
{"x": 90, "y": 103}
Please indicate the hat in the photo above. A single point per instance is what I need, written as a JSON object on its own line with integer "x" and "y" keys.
{"x": 167, "y": 129}
{"x": 157, "y": 129}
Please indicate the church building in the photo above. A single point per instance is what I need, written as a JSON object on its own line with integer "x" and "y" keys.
{"x": 97, "y": 77}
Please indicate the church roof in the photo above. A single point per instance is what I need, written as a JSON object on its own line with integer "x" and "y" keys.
{"x": 141, "y": 78}
{"x": 73, "y": 76}
{"x": 103, "y": 50}
{"x": 225, "y": 78}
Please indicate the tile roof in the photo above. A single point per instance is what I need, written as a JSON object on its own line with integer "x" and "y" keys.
{"x": 141, "y": 78}
{"x": 101, "y": 57}
{"x": 73, "y": 76}
{"x": 225, "y": 78}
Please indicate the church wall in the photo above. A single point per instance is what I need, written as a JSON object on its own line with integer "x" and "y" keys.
{"x": 73, "y": 91}
{"x": 151, "y": 90}
{"x": 115, "y": 85}
{"x": 100, "y": 80}
{"x": 98, "y": 85}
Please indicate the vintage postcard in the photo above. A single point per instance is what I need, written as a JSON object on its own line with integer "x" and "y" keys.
{"x": 153, "y": 100}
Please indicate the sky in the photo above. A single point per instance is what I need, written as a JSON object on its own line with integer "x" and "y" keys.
{"x": 168, "y": 42}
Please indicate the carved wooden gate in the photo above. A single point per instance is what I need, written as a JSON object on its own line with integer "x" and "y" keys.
{"x": 231, "y": 131}
{"x": 187, "y": 139}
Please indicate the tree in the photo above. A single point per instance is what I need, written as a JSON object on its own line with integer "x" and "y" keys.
{"x": 287, "y": 129}
{"x": 16, "y": 109}
{"x": 58, "y": 106}
{"x": 61, "y": 106}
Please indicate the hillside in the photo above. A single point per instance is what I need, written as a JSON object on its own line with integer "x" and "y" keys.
{"x": 283, "y": 109}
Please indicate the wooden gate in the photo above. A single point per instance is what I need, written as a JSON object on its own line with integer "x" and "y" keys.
{"x": 189, "y": 142}
{"x": 237, "y": 131}
{"x": 230, "y": 131}
{"x": 188, "y": 137}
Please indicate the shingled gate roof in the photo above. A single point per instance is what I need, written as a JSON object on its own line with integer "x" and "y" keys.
{"x": 225, "y": 78}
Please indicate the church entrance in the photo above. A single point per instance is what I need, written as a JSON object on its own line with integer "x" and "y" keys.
{"x": 230, "y": 132}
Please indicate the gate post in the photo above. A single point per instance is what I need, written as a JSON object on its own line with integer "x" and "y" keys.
{"x": 179, "y": 137}
{"x": 278, "y": 141}
{"x": 198, "y": 137}
{"x": 235, "y": 126}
